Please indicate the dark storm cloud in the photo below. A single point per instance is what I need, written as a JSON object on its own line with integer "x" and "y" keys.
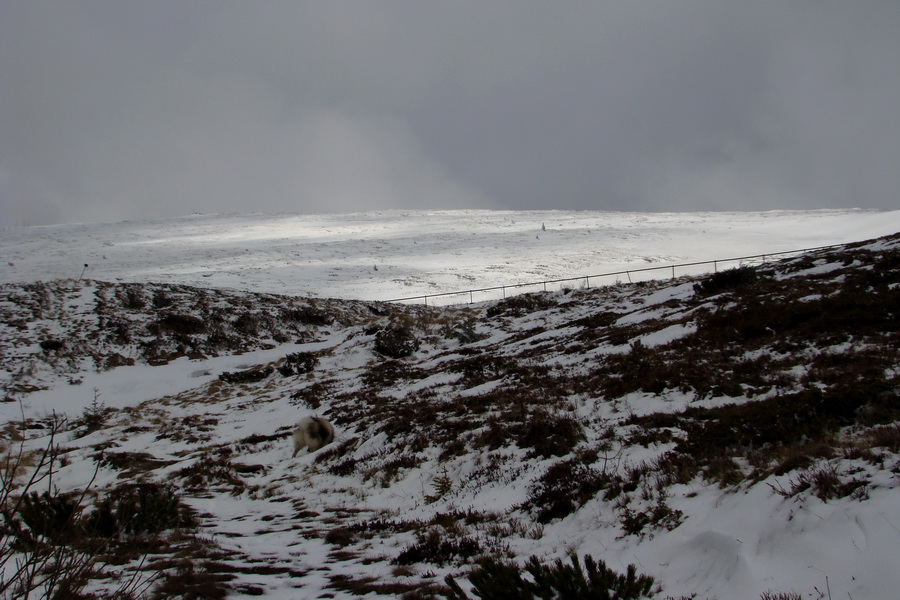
{"x": 112, "y": 110}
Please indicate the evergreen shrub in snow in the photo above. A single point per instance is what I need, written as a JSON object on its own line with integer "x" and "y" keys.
{"x": 496, "y": 580}
{"x": 396, "y": 342}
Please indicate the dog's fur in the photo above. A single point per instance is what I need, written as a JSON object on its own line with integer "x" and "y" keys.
{"x": 313, "y": 433}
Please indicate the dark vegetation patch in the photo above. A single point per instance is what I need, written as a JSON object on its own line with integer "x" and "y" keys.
{"x": 140, "y": 509}
{"x": 658, "y": 515}
{"x": 786, "y": 419}
{"x": 157, "y": 323}
{"x": 566, "y": 486}
{"x": 465, "y": 332}
{"x": 521, "y": 413}
{"x": 364, "y": 585}
{"x": 210, "y": 473}
{"x": 181, "y": 324}
{"x": 308, "y": 315}
{"x": 190, "y": 581}
{"x": 396, "y": 342}
{"x": 519, "y": 305}
{"x": 132, "y": 463}
{"x": 885, "y": 437}
{"x": 760, "y": 333}
{"x": 825, "y": 482}
{"x": 52, "y": 345}
{"x": 776, "y": 436}
{"x": 389, "y": 373}
{"x": 299, "y": 363}
{"x": 478, "y": 368}
{"x": 498, "y": 580}
{"x": 256, "y": 439}
{"x": 436, "y": 547}
{"x": 253, "y": 375}
{"x": 597, "y": 320}
{"x": 190, "y": 429}
{"x": 541, "y": 432}
{"x": 311, "y": 396}
{"x": 727, "y": 280}
{"x": 68, "y": 540}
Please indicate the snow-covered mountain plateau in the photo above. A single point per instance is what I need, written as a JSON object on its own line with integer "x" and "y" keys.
{"x": 730, "y": 430}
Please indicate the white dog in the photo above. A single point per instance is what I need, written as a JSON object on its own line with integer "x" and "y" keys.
{"x": 313, "y": 433}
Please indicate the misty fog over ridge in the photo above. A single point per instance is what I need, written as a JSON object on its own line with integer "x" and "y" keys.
{"x": 113, "y": 110}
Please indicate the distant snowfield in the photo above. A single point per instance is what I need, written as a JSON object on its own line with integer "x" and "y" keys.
{"x": 398, "y": 254}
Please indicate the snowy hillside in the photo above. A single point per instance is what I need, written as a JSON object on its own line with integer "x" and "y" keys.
{"x": 731, "y": 435}
{"x": 397, "y": 254}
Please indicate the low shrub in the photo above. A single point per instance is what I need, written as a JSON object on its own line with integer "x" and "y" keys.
{"x": 545, "y": 434}
{"x": 598, "y": 320}
{"x": 161, "y": 299}
{"x": 132, "y": 297}
{"x": 497, "y": 580}
{"x": 726, "y": 280}
{"x": 139, "y": 509}
{"x": 340, "y": 536}
{"x": 248, "y": 323}
{"x": 49, "y": 515}
{"x": 94, "y": 416}
{"x": 784, "y": 419}
{"x": 885, "y": 437}
{"x": 658, "y": 516}
{"x": 464, "y": 332}
{"x": 436, "y": 548}
{"x": 825, "y": 483}
{"x": 357, "y": 586}
{"x": 180, "y": 323}
{"x": 247, "y": 376}
{"x": 52, "y": 345}
{"x": 541, "y": 432}
{"x": 190, "y": 583}
{"x": 565, "y": 487}
{"x": 396, "y": 342}
{"x": 307, "y": 315}
{"x": 209, "y": 473}
{"x": 335, "y": 451}
{"x": 311, "y": 397}
{"x": 520, "y": 305}
{"x": 299, "y": 363}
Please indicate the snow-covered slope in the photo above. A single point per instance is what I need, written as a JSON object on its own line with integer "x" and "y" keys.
{"x": 729, "y": 435}
{"x": 396, "y": 254}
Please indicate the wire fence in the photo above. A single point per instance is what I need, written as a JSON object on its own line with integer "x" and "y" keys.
{"x": 499, "y": 292}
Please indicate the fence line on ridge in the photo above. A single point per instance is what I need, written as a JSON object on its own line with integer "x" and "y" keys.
{"x": 585, "y": 280}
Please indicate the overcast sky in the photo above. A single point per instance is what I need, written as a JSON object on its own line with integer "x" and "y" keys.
{"x": 113, "y": 110}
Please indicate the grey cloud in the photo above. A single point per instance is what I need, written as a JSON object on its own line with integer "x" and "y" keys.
{"x": 115, "y": 110}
